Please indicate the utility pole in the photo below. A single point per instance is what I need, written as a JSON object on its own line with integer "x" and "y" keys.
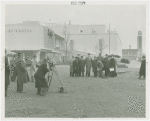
{"x": 109, "y": 39}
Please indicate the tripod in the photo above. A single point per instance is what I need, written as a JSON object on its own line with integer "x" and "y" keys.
{"x": 50, "y": 79}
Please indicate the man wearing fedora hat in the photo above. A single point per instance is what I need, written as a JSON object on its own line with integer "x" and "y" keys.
{"x": 142, "y": 71}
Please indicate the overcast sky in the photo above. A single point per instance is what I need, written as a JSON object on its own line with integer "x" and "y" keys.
{"x": 127, "y": 20}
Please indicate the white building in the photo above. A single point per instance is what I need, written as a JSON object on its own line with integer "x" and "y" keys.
{"x": 36, "y": 38}
{"x": 92, "y": 34}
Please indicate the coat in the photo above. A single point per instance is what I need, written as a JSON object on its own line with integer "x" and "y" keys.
{"x": 100, "y": 65}
{"x": 7, "y": 72}
{"x": 100, "y": 58}
{"x": 106, "y": 63}
{"x": 94, "y": 65}
{"x": 79, "y": 63}
{"x": 40, "y": 74}
{"x": 75, "y": 66}
{"x": 88, "y": 63}
{"x": 82, "y": 65}
{"x": 113, "y": 63}
{"x": 22, "y": 74}
{"x": 71, "y": 65}
{"x": 143, "y": 68}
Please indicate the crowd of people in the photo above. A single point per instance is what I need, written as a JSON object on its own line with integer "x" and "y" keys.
{"x": 79, "y": 65}
{"x": 22, "y": 70}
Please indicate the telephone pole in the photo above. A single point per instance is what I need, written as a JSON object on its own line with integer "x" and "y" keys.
{"x": 109, "y": 39}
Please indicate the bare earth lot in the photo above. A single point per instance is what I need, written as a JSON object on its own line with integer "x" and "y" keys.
{"x": 122, "y": 96}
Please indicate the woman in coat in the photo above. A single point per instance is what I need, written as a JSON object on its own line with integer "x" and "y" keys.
{"x": 40, "y": 80}
{"x": 142, "y": 71}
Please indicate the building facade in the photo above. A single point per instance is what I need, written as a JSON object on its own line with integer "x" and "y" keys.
{"x": 90, "y": 34}
{"x": 34, "y": 38}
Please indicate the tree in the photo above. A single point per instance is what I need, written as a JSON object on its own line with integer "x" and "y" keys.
{"x": 101, "y": 46}
{"x": 66, "y": 33}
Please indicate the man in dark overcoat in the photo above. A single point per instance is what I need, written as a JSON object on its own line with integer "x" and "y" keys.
{"x": 113, "y": 66}
{"x": 94, "y": 66}
{"x": 71, "y": 66}
{"x": 21, "y": 73}
{"x": 79, "y": 65}
{"x": 7, "y": 73}
{"x": 40, "y": 80}
{"x": 142, "y": 71}
{"x": 82, "y": 66}
{"x": 75, "y": 67}
{"x": 88, "y": 63}
{"x": 106, "y": 65}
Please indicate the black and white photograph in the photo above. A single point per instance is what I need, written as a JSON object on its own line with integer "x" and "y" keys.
{"x": 74, "y": 59}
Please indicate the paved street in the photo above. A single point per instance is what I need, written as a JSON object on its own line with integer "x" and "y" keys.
{"x": 122, "y": 96}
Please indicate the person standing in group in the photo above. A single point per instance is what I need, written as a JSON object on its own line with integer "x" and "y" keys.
{"x": 7, "y": 73}
{"x": 28, "y": 65}
{"x": 106, "y": 66}
{"x": 82, "y": 66}
{"x": 79, "y": 65}
{"x": 112, "y": 66}
{"x": 94, "y": 66}
{"x": 100, "y": 67}
{"x": 13, "y": 73}
{"x": 33, "y": 68}
{"x": 88, "y": 63}
{"x": 101, "y": 59}
{"x": 142, "y": 71}
{"x": 21, "y": 73}
{"x": 71, "y": 66}
{"x": 40, "y": 80}
{"x": 75, "y": 67}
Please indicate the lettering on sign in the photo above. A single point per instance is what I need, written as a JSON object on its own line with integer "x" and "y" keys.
{"x": 78, "y": 3}
{"x": 18, "y": 30}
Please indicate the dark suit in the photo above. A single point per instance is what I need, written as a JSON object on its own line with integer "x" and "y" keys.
{"x": 7, "y": 73}
{"x": 82, "y": 67}
{"x": 106, "y": 66}
{"x": 75, "y": 68}
{"x": 94, "y": 66}
{"x": 40, "y": 80}
{"x": 79, "y": 67}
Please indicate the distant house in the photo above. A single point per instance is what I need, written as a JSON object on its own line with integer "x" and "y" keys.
{"x": 131, "y": 54}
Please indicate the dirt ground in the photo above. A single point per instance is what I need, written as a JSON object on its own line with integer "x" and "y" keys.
{"x": 88, "y": 97}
